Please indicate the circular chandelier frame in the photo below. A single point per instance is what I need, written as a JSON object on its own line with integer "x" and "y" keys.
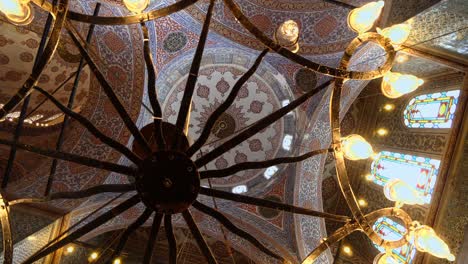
{"x": 62, "y": 18}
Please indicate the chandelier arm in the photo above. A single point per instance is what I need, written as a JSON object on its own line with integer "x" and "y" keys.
{"x": 323, "y": 69}
{"x": 225, "y": 105}
{"x": 105, "y": 188}
{"x": 104, "y": 165}
{"x": 6, "y": 231}
{"x": 126, "y": 20}
{"x": 258, "y": 165}
{"x": 335, "y": 237}
{"x": 271, "y": 204}
{"x": 234, "y": 229}
{"x": 206, "y": 251}
{"x": 91, "y": 128}
{"x": 170, "y": 239}
{"x": 88, "y": 53}
{"x": 152, "y": 239}
{"x": 151, "y": 88}
{"x": 257, "y": 127}
{"x": 98, "y": 221}
{"x": 60, "y": 13}
{"x": 184, "y": 110}
{"x": 126, "y": 234}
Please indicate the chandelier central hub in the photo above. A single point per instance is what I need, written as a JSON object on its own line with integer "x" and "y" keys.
{"x": 169, "y": 182}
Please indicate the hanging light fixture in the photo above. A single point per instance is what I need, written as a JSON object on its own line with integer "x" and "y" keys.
{"x": 426, "y": 240}
{"x": 399, "y": 191}
{"x": 287, "y": 35}
{"x": 395, "y": 84}
{"x": 355, "y": 147}
{"x": 385, "y": 258}
{"x": 398, "y": 34}
{"x": 363, "y": 18}
{"x": 136, "y": 6}
{"x": 18, "y": 12}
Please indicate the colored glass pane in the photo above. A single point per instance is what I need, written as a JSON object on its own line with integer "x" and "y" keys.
{"x": 391, "y": 230}
{"x": 418, "y": 172}
{"x": 434, "y": 110}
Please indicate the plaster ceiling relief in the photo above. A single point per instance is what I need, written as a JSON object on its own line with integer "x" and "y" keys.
{"x": 263, "y": 93}
{"x": 322, "y": 28}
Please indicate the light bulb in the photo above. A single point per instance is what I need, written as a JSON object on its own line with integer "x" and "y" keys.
{"x": 363, "y": 18}
{"x": 356, "y": 147}
{"x": 347, "y": 250}
{"x": 362, "y": 202}
{"x": 70, "y": 249}
{"x": 395, "y": 84}
{"x": 94, "y": 255}
{"x": 369, "y": 177}
{"x": 117, "y": 261}
{"x": 136, "y": 6}
{"x": 287, "y": 35}
{"x": 397, "y": 34}
{"x": 389, "y": 107}
{"x": 18, "y": 12}
{"x": 382, "y": 132}
{"x": 385, "y": 258}
{"x": 426, "y": 240}
{"x": 399, "y": 191}
{"x": 401, "y": 58}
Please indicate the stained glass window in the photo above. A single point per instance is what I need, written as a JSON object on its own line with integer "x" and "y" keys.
{"x": 434, "y": 110}
{"x": 418, "y": 172}
{"x": 391, "y": 230}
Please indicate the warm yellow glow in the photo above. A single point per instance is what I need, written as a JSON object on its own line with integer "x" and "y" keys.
{"x": 401, "y": 58}
{"x": 18, "y": 12}
{"x": 287, "y": 35}
{"x": 31, "y": 238}
{"x": 397, "y": 34}
{"x": 389, "y": 107}
{"x": 399, "y": 191}
{"x": 385, "y": 258}
{"x": 395, "y": 84}
{"x": 347, "y": 250}
{"x": 70, "y": 249}
{"x": 356, "y": 147}
{"x": 117, "y": 261}
{"x": 362, "y": 202}
{"x": 382, "y": 132}
{"x": 426, "y": 240}
{"x": 94, "y": 255}
{"x": 363, "y": 18}
{"x": 369, "y": 177}
{"x": 136, "y": 6}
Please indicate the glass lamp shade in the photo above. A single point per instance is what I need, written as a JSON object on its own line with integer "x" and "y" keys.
{"x": 385, "y": 258}
{"x": 356, "y": 147}
{"x": 18, "y": 12}
{"x": 397, "y": 34}
{"x": 399, "y": 191}
{"x": 136, "y": 6}
{"x": 426, "y": 240}
{"x": 395, "y": 84}
{"x": 287, "y": 35}
{"x": 363, "y": 18}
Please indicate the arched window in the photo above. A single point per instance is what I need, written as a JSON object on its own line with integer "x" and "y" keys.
{"x": 419, "y": 172}
{"x": 434, "y": 110}
{"x": 393, "y": 231}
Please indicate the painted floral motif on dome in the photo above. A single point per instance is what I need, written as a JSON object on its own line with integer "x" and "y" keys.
{"x": 174, "y": 42}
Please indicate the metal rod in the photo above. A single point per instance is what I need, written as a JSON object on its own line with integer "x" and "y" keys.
{"x": 193, "y": 75}
{"x": 271, "y": 204}
{"x": 152, "y": 239}
{"x": 170, "y": 239}
{"x": 71, "y": 100}
{"x": 206, "y": 251}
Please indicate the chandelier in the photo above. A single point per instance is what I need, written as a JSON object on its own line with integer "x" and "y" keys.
{"x": 167, "y": 179}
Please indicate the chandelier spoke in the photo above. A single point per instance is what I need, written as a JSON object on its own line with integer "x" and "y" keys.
{"x": 152, "y": 239}
{"x": 46, "y": 57}
{"x": 88, "y": 54}
{"x": 257, "y": 127}
{"x": 206, "y": 251}
{"x": 91, "y": 128}
{"x": 170, "y": 239}
{"x": 126, "y": 234}
{"x": 152, "y": 93}
{"x": 49, "y": 248}
{"x": 224, "y": 106}
{"x": 234, "y": 229}
{"x": 104, "y": 165}
{"x": 271, "y": 204}
{"x": 185, "y": 105}
{"x": 258, "y": 165}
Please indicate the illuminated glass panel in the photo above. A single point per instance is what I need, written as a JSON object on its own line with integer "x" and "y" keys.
{"x": 434, "y": 110}
{"x": 393, "y": 231}
{"x": 418, "y": 172}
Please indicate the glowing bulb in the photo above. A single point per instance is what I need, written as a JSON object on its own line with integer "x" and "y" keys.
{"x": 363, "y": 18}
{"x": 136, "y": 6}
{"x": 389, "y": 107}
{"x": 401, "y": 58}
{"x": 369, "y": 177}
{"x": 287, "y": 35}
{"x": 385, "y": 258}
{"x": 397, "y": 34}
{"x": 94, "y": 256}
{"x": 356, "y": 147}
{"x": 362, "y": 202}
{"x": 18, "y": 12}
{"x": 395, "y": 84}
{"x": 399, "y": 191}
{"x": 347, "y": 250}
{"x": 117, "y": 261}
{"x": 382, "y": 132}
{"x": 70, "y": 249}
{"x": 426, "y": 240}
